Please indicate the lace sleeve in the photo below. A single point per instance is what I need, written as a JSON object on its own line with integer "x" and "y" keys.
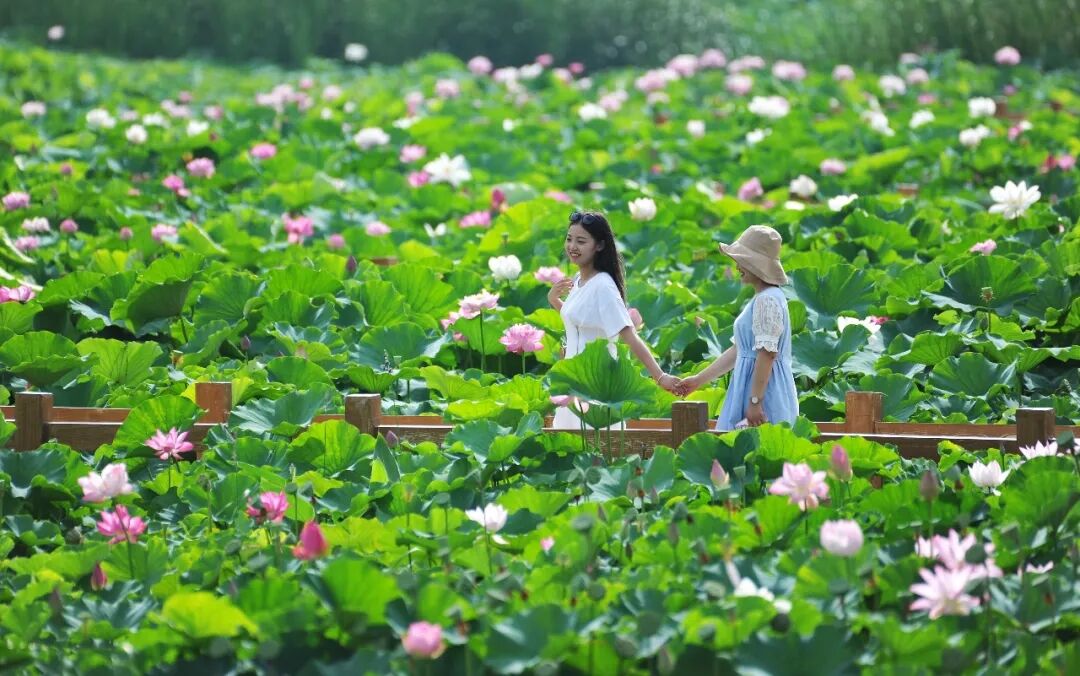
{"x": 768, "y": 322}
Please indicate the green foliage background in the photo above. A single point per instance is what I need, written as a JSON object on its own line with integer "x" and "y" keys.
{"x": 598, "y": 32}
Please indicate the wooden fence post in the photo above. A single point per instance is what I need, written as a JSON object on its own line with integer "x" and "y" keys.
{"x": 364, "y": 411}
{"x": 687, "y": 419}
{"x": 216, "y": 399}
{"x": 33, "y": 411}
{"x": 1034, "y": 425}
{"x": 862, "y": 411}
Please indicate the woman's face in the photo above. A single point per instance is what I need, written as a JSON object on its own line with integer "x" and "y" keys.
{"x": 745, "y": 276}
{"x": 580, "y": 246}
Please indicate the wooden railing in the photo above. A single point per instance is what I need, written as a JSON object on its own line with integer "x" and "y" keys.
{"x": 85, "y": 429}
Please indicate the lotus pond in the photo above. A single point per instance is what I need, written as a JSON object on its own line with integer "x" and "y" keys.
{"x": 167, "y": 223}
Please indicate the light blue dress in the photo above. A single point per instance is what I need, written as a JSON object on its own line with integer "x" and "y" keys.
{"x": 763, "y": 323}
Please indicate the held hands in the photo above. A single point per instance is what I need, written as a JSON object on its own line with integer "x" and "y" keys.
{"x": 686, "y": 385}
{"x": 668, "y": 382}
{"x": 558, "y": 290}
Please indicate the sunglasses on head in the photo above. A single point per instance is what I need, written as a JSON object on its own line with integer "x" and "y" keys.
{"x": 583, "y": 218}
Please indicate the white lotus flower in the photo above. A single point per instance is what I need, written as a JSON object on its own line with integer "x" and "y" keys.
{"x": 696, "y": 128}
{"x": 355, "y": 52}
{"x": 642, "y": 209}
{"x": 492, "y": 517}
{"x": 840, "y": 201}
{"x": 879, "y": 122}
{"x": 505, "y": 267}
{"x": 972, "y": 137}
{"x": 892, "y": 85}
{"x": 866, "y": 322}
{"x": 794, "y": 206}
{"x": 981, "y": 106}
{"x": 1039, "y": 449}
{"x": 591, "y": 111}
{"x": 435, "y": 232}
{"x": 1012, "y": 200}
{"x": 803, "y": 186}
{"x": 756, "y": 136}
{"x": 32, "y": 109}
{"x": 445, "y": 169}
{"x": 920, "y": 118}
{"x": 371, "y": 137}
{"x": 988, "y": 475}
{"x": 530, "y": 71}
{"x": 99, "y": 118}
{"x": 56, "y": 33}
{"x": 154, "y": 120}
{"x": 136, "y": 134}
{"x": 772, "y": 107}
{"x": 196, "y": 127}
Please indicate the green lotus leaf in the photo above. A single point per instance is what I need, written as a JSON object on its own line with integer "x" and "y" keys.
{"x": 73, "y": 285}
{"x": 300, "y": 373}
{"x": 284, "y": 416}
{"x": 225, "y": 297}
{"x": 422, "y": 289}
{"x": 41, "y": 357}
{"x": 931, "y": 348}
{"x": 201, "y": 615}
{"x": 335, "y": 448}
{"x": 407, "y": 342}
{"x": 160, "y": 293}
{"x": 162, "y": 412}
{"x": 354, "y": 586}
{"x": 1007, "y": 280}
{"x": 972, "y": 374}
{"x": 598, "y": 378}
{"x": 836, "y": 290}
{"x": 518, "y": 643}
{"x": 1042, "y": 491}
{"x": 301, "y": 279}
{"x": 118, "y": 362}
{"x": 16, "y": 318}
{"x": 22, "y": 471}
{"x": 815, "y": 353}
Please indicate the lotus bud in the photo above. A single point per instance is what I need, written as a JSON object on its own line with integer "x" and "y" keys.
{"x": 351, "y": 265}
{"x": 928, "y": 486}
{"x": 718, "y": 476}
{"x": 245, "y": 343}
{"x": 673, "y": 533}
{"x": 391, "y": 439}
{"x": 98, "y": 579}
{"x": 498, "y": 199}
{"x": 840, "y": 463}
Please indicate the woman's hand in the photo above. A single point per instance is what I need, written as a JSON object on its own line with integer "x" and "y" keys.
{"x": 755, "y": 414}
{"x": 558, "y": 290}
{"x": 687, "y": 385}
{"x": 668, "y": 382}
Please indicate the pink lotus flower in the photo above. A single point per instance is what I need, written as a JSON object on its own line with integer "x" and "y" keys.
{"x": 942, "y": 592}
{"x": 717, "y": 476}
{"x": 471, "y": 306}
{"x": 739, "y": 84}
{"x": 522, "y": 338}
{"x": 480, "y": 65}
{"x": 549, "y": 275}
{"x": 201, "y": 167}
{"x": 263, "y": 151}
{"x": 298, "y": 229}
{"x": 171, "y": 445}
{"x": 176, "y": 184}
{"x": 751, "y": 190}
{"x": 951, "y": 551}
{"x": 126, "y": 233}
{"x": 20, "y": 294}
{"x": 477, "y": 219}
{"x": 214, "y": 112}
{"x": 558, "y": 196}
{"x": 843, "y": 72}
{"x": 792, "y": 71}
{"x": 111, "y": 483}
{"x": 498, "y": 199}
{"x": 545, "y": 60}
{"x": 418, "y": 178}
{"x": 335, "y": 241}
{"x": 27, "y": 243}
{"x": 313, "y": 543}
{"x": 121, "y": 526}
{"x": 803, "y": 486}
{"x": 37, "y": 225}
{"x": 547, "y": 543}
{"x": 842, "y": 537}
{"x": 424, "y": 640}
{"x": 840, "y": 463}
{"x": 985, "y": 247}
{"x": 576, "y": 68}
{"x": 1065, "y": 162}
{"x": 447, "y": 89}
{"x": 16, "y": 200}
{"x": 712, "y": 58}
{"x": 273, "y": 507}
{"x": 377, "y": 229}
{"x": 748, "y": 62}
{"x": 1018, "y": 128}
{"x": 1007, "y": 56}
{"x": 163, "y": 231}
{"x": 412, "y": 153}
{"x": 926, "y": 99}
{"x": 98, "y": 579}
{"x": 832, "y": 167}
{"x": 561, "y": 400}
{"x": 917, "y": 76}
{"x": 69, "y": 226}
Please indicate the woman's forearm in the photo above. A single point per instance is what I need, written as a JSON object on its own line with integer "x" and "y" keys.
{"x": 721, "y": 365}
{"x": 762, "y": 370}
{"x": 641, "y": 351}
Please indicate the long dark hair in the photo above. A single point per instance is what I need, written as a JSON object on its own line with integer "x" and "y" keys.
{"x": 607, "y": 257}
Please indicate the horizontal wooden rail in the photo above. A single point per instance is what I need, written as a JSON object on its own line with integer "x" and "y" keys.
{"x": 85, "y": 429}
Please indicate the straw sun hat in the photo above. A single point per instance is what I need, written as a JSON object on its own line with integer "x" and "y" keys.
{"x": 758, "y": 250}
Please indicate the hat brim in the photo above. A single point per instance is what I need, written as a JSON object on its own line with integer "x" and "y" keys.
{"x": 766, "y": 269}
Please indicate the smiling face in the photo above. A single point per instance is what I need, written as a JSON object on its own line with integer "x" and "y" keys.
{"x": 580, "y": 246}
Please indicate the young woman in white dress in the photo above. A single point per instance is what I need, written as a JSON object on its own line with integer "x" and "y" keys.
{"x": 594, "y": 306}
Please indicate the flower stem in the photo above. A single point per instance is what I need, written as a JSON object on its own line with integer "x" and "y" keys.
{"x": 523, "y": 362}
{"x": 483, "y": 361}
{"x": 487, "y": 541}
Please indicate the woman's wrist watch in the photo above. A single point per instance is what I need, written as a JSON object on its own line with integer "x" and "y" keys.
{"x": 754, "y": 401}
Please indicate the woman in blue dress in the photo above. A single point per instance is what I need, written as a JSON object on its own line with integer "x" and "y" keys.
{"x": 762, "y": 387}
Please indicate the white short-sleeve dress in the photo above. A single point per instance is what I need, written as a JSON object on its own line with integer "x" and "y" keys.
{"x": 592, "y": 310}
